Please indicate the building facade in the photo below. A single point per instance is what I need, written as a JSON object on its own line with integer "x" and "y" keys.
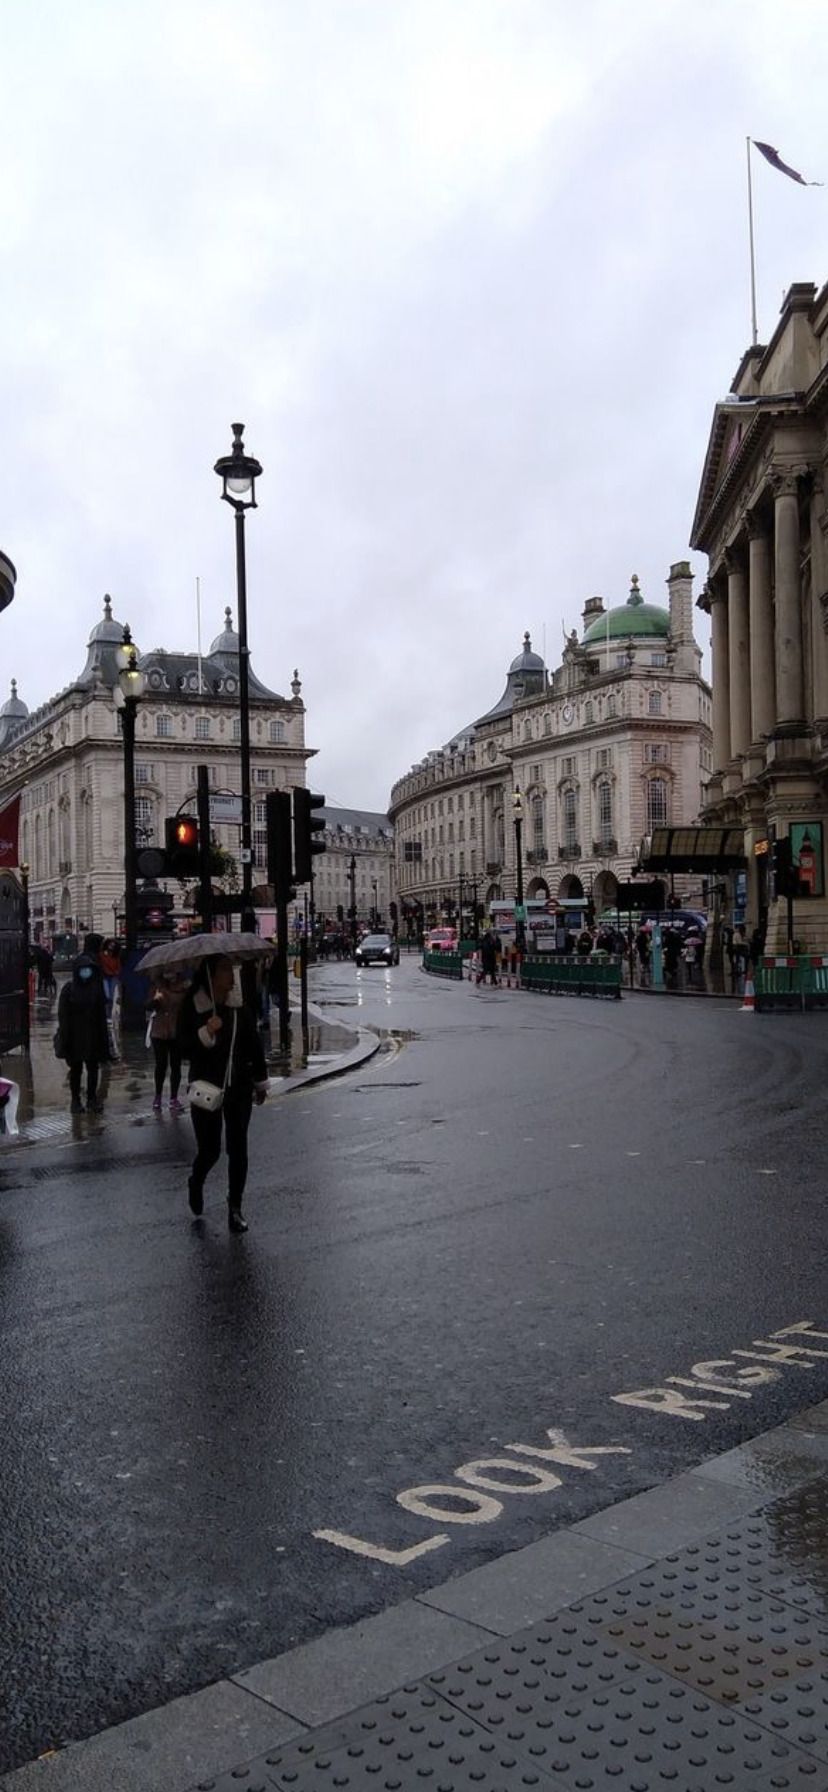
{"x": 761, "y": 518}
{"x": 66, "y": 761}
{"x": 8, "y": 580}
{"x": 612, "y": 743}
{"x": 368, "y": 838}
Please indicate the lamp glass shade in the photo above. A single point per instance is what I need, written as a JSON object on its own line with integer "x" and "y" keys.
{"x": 132, "y": 682}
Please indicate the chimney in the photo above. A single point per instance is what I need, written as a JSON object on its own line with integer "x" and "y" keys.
{"x": 680, "y": 587}
{"x": 593, "y": 608}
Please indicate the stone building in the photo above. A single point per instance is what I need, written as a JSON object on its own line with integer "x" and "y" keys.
{"x": 761, "y": 518}
{"x": 368, "y": 837}
{"x": 612, "y": 743}
{"x": 66, "y": 759}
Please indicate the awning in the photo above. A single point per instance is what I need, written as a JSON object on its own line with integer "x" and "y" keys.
{"x": 692, "y": 849}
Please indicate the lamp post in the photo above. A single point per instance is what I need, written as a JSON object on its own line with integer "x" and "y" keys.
{"x": 352, "y": 882}
{"x": 376, "y": 910}
{"x": 127, "y": 694}
{"x": 238, "y": 472}
{"x": 520, "y": 924}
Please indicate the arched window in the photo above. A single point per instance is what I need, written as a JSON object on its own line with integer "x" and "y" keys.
{"x": 50, "y": 843}
{"x": 589, "y": 714}
{"x": 611, "y": 705}
{"x": 537, "y": 823}
{"x": 500, "y": 837}
{"x": 605, "y": 832}
{"x": 527, "y": 731}
{"x": 547, "y": 724}
{"x": 38, "y": 849}
{"x": 570, "y": 819}
{"x": 654, "y": 703}
{"x": 656, "y": 803}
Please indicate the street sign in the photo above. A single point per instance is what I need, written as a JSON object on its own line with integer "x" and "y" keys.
{"x": 225, "y": 808}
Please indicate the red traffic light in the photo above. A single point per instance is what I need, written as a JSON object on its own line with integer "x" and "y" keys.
{"x": 186, "y": 831}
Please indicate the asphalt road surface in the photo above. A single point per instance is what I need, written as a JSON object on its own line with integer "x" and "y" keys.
{"x": 460, "y": 1257}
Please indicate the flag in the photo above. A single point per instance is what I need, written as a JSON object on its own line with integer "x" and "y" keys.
{"x": 773, "y": 156}
{"x": 9, "y": 826}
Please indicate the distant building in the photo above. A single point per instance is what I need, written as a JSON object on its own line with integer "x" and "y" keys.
{"x": 368, "y": 838}
{"x": 612, "y": 744}
{"x": 762, "y": 519}
{"x": 66, "y": 758}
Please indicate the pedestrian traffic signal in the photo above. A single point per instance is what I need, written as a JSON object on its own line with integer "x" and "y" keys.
{"x": 340, "y": 913}
{"x": 305, "y": 826}
{"x": 785, "y": 873}
{"x": 181, "y": 843}
{"x": 279, "y": 845}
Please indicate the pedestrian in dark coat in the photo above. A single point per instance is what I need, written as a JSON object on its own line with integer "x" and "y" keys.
{"x": 488, "y": 958}
{"x": 82, "y": 1035}
{"x": 219, "y": 1038}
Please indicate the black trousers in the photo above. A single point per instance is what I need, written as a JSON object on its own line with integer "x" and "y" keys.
{"x": 235, "y": 1116}
{"x": 75, "y": 1074}
{"x": 167, "y": 1052}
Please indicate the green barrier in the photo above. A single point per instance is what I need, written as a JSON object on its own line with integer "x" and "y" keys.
{"x": 443, "y": 964}
{"x": 794, "y": 983}
{"x": 573, "y": 976}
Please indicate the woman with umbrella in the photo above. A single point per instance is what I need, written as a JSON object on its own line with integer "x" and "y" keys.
{"x": 228, "y": 1072}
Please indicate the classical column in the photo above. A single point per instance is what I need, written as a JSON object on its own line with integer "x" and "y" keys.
{"x": 762, "y": 667}
{"x": 720, "y": 679}
{"x": 738, "y": 652}
{"x": 790, "y": 704}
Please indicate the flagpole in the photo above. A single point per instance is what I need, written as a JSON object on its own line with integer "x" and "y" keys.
{"x": 752, "y": 249}
{"x": 198, "y": 631}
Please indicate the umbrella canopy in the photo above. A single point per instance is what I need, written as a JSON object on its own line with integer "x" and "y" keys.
{"x": 236, "y": 946}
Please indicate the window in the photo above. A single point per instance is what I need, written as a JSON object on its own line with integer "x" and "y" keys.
{"x": 260, "y": 845}
{"x": 589, "y": 714}
{"x": 277, "y": 732}
{"x": 144, "y": 825}
{"x": 604, "y": 756}
{"x": 621, "y": 660}
{"x": 262, "y": 775}
{"x": 202, "y": 728}
{"x": 570, "y": 815}
{"x": 536, "y": 774}
{"x": 163, "y": 727}
{"x": 655, "y": 754}
{"x": 658, "y": 659}
{"x": 568, "y": 768}
{"x": 611, "y": 707}
{"x": 605, "y": 811}
{"x": 260, "y": 814}
{"x": 656, "y": 803}
{"x": 143, "y": 774}
{"x": 537, "y": 823}
{"x": 547, "y": 724}
{"x": 236, "y": 728}
{"x": 654, "y": 703}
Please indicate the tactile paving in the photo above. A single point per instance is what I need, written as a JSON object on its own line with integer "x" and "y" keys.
{"x": 408, "y": 1742}
{"x": 595, "y": 1720}
{"x": 731, "y": 1641}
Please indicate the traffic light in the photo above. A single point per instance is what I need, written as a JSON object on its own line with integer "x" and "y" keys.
{"x": 181, "y": 842}
{"x": 340, "y": 913}
{"x": 154, "y": 909}
{"x": 305, "y": 825}
{"x": 279, "y": 845}
{"x": 782, "y": 862}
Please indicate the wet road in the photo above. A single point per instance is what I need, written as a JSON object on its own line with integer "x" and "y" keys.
{"x": 495, "y": 1229}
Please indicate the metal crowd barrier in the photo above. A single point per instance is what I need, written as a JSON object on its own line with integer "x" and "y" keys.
{"x": 796, "y": 983}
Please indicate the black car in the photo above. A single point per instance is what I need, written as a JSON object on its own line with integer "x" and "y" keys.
{"x": 377, "y": 948}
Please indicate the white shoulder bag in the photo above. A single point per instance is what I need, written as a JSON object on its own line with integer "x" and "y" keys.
{"x": 210, "y": 1096}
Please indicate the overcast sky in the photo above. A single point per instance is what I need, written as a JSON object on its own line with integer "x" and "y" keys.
{"x": 472, "y": 273}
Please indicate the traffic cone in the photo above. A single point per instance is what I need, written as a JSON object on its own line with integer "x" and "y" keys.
{"x": 749, "y": 1001}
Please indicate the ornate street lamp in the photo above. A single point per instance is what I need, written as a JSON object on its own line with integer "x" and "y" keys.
{"x": 520, "y": 924}
{"x": 127, "y": 695}
{"x": 352, "y": 882}
{"x": 238, "y": 473}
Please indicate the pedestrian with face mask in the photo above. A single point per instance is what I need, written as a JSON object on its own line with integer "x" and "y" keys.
{"x": 82, "y": 1036}
{"x": 218, "y": 1035}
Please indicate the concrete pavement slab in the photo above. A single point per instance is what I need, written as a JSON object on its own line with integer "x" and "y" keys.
{"x": 191, "y": 1738}
{"x": 526, "y": 1585}
{"x": 669, "y": 1516}
{"x": 771, "y": 1464}
{"x": 342, "y": 1670}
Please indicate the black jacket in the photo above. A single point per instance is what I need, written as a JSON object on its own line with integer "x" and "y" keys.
{"x": 82, "y": 1031}
{"x": 208, "y": 1059}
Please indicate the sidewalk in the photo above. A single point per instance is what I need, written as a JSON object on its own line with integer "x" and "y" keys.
{"x": 676, "y": 1640}
{"x": 127, "y": 1087}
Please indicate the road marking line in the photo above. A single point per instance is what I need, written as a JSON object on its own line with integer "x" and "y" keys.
{"x": 576, "y": 1147}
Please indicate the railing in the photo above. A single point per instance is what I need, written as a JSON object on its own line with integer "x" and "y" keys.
{"x": 792, "y": 983}
{"x": 603, "y": 849}
{"x": 537, "y": 855}
{"x": 443, "y": 964}
{"x": 572, "y": 976}
{"x": 569, "y": 852}
{"x": 64, "y": 867}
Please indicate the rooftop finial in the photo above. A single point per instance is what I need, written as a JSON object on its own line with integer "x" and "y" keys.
{"x": 14, "y": 687}
{"x": 296, "y": 682}
{"x": 635, "y": 595}
{"x": 228, "y": 614}
{"x": 527, "y": 642}
{"x": 107, "y": 608}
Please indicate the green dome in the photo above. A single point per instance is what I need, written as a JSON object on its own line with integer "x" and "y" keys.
{"x": 632, "y": 618}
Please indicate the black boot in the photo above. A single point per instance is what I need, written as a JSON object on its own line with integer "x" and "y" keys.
{"x": 236, "y": 1220}
{"x": 195, "y": 1196}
